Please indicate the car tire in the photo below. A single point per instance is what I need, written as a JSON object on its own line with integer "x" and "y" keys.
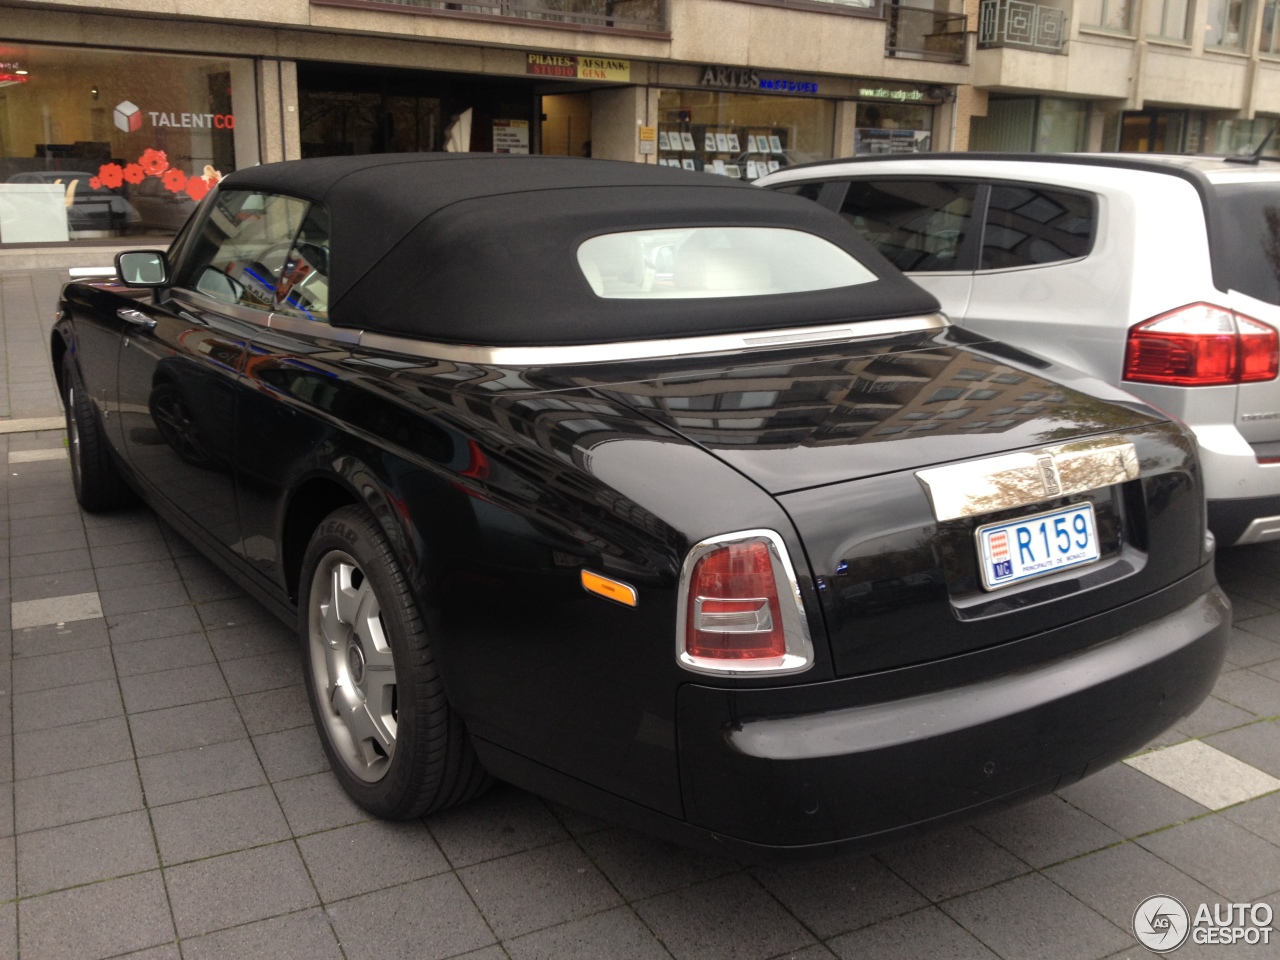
{"x": 97, "y": 480}
{"x": 391, "y": 737}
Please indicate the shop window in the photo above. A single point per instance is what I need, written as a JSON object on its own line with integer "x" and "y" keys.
{"x": 742, "y": 135}
{"x": 1106, "y": 15}
{"x": 918, "y": 225}
{"x": 1031, "y": 225}
{"x": 1228, "y": 24}
{"x": 242, "y": 246}
{"x": 1168, "y": 19}
{"x": 893, "y": 128}
{"x": 102, "y": 144}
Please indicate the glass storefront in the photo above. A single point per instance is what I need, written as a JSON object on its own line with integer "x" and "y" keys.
{"x": 893, "y": 128}
{"x": 1031, "y": 125}
{"x": 103, "y": 144}
{"x": 742, "y": 135}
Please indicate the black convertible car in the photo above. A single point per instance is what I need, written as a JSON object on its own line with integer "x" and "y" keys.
{"x": 753, "y": 550}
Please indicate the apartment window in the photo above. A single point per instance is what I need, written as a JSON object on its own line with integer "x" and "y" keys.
{"x": 1106, "y": 15}
{"x": 1269, "y": 42}
{"x": 1167, "y": 19}
{"x": 1228, "y": 25}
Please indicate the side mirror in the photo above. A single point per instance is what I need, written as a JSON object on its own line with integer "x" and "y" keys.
{"x": 142, "y": 268}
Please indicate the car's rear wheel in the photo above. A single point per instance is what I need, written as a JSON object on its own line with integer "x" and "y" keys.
{"x": 94, "y": 475}
{"x": 391, "y": 737}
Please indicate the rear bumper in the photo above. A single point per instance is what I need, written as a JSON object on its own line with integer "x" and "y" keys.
{"x": 1238, "y": 488}
{"x": 761, "y": 777}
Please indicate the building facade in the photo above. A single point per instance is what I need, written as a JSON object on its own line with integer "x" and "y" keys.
{"x": 117, "y": 115}
{"x": 1142, "y": 76}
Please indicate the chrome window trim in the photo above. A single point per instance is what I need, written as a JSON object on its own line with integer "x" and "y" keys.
{"x": 795, "y": 626}
{"x": 313, "y": 328}
{"x": 648, "y": 349}
{"x": 235, "y": 311}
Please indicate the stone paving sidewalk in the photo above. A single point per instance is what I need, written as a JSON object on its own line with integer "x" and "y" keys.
{"x": 166, "y": 793}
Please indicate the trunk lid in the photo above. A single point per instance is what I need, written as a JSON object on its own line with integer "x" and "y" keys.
{"x": 839, "y": 439}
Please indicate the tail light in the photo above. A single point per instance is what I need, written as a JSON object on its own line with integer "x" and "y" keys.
{"x": 741, "y": 611}
{"x": 1201, "y": 345}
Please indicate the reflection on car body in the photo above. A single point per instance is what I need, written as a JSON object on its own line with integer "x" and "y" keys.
{"x": 660, "y": 535}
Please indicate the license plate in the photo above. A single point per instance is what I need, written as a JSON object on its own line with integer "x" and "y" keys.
{"x": 1018, "y": 550}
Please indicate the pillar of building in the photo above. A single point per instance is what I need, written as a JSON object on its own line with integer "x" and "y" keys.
{"x": 617, "y": 114}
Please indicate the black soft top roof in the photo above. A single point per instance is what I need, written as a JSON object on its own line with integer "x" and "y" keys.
{"x": 482, "y": 249}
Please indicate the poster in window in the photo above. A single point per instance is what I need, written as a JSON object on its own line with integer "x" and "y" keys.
{"x": 688, "y": 165}
{"x": 709, "y": 142}
{"x": 722, "y": 143}
{"x": 511, "y": 136}
{"x": 734, "y": 146}
{"x": 752, "y": 171}
{"x": 664, "y": 142}
{"x": 774, "y": 165}
{"x": 879, "y": 141}
{"x": 733, "y": 170}
{"x": 775, "y": 144}
{"x": 718, "y": 166}
{"x": 686, "y": 139}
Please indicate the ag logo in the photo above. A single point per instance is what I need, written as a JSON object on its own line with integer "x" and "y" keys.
{"x": 1161, "y": 924}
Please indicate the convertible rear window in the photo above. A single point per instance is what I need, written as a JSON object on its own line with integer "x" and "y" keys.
{"x": 715, "y": 262}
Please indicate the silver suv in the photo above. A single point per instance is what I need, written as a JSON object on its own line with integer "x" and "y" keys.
{"x": 1159, "y": 274}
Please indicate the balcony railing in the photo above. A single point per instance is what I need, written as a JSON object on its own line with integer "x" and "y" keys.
{"x": 922, "y": 34}
{"x": 1022, "y": 24}
{"x": 647, "y": 16}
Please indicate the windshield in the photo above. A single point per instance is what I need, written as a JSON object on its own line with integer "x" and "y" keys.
{"x": 715, "y": 262}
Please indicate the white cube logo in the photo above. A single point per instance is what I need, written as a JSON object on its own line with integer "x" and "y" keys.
{"x": 127, "y": 116}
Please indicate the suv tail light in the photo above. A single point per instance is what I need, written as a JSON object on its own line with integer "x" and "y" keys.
{"x": 1201, "y": 345}
{"x": 741, "y": 610}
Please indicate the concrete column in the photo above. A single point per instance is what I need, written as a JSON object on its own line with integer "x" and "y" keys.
{"x": 290, "y": 122}
{"x": 970, "y": 102}
{"x": 616, "y": 118}
{"x": 846, "y": 120}
{"x": 244, "y": 101}
{"x": 270, "y": 126}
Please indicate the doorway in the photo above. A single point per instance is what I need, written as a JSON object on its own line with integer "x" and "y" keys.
{"x": 566, "y": 125}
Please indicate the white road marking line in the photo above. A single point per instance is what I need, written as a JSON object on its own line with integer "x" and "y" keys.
{"x": 1205, "y": 774}
{"x": 31, "y": 456}
{"x": 32, "y": 425}
{"x": 38, "y": 613}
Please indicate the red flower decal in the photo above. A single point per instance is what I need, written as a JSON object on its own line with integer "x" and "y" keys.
{"x": 153, "y": 162}
{"x": 174, "y": 180}
{"x": 133, "y": 173}
{"x": 110, "y": 175}
{"x": 95, "y": 183}
{"x": 197, "y": 187}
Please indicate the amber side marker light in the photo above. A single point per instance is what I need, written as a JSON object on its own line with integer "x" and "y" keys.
{"x": 615, "y": 590}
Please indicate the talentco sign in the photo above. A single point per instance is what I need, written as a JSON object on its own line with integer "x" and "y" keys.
{"x": 578, "y": 68}
{"x": 1162, "y": 924}
{"x": 128, "y": 117}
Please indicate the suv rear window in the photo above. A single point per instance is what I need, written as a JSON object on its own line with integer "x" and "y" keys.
{"x": 918, "y": 225}
{"x": 1246, "y": 255}
{"x": 1029, "y": 225}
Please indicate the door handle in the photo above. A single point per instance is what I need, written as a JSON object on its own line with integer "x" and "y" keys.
{"x": 136, "y": 317}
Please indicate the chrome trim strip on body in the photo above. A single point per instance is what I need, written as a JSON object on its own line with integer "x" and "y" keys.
{"x": 92, "y": 273}
{"x": 795, "y": 627}
{"x": 647, "y": 349}
{"x": 1031, "y": 476}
